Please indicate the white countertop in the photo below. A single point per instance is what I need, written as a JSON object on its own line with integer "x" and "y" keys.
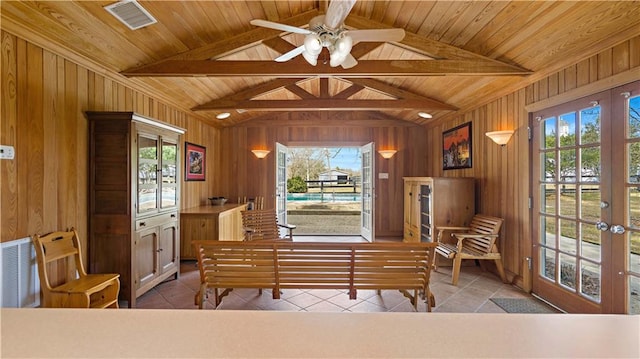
{"x": 161, "y": 333}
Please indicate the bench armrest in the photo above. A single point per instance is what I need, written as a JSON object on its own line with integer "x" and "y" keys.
{"x": 290, "y": 227}
{"x": 445, "y": 228}
{"x": 287, "y": 226}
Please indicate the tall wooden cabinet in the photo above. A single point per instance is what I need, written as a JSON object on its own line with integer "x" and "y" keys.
{"x": 436, "y": 201}
{"x": 134, "y": 200}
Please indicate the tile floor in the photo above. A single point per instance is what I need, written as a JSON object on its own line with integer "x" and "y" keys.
{"x": 472, "y": 294}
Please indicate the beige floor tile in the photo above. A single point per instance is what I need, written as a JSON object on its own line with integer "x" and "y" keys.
{"x": 304, "y": 300}
{"x": 367, "y": 307}
{"x": 324, "y": 306}
{"x": 470, "y": 295}
{"x": 489, "y": 307}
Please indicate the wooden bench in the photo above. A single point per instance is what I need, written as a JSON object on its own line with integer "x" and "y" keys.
{"x": 278, "y": 265}
{"x": 478, "y": 241}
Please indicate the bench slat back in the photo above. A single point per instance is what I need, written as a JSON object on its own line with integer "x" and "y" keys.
{"x": 482, "y": 224}
{"x": 278, "y": 264}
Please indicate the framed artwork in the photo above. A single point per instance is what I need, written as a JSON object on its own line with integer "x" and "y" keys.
{"x": 456, "y": 147}
{"x": 195, "y": 162}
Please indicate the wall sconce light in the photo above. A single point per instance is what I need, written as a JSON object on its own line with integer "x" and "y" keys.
{"x": 387, "y": 153}
{"x": 500, "y": 137}
{"x": 260, "y": 153}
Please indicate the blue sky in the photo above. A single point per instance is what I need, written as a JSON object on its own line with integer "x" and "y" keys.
{"x": 347, "y": 158}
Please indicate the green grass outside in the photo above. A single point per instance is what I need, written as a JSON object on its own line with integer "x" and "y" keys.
{"x": 590, "y": 204}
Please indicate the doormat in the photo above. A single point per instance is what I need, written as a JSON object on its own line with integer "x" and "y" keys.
{"x": 523, "y": 305}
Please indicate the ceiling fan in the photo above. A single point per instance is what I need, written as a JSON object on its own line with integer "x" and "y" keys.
{"x": 328, "y": 31}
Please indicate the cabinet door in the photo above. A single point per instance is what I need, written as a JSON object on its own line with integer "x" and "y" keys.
{"x": 415, "y": 205}
{"x": 168, "y": 253}
{"x": 147, "y": 198}
{"x": 411, "y": 212}
{"x": 407, "y": 203}
{"x": 146, "y": 252}
{"x": 426, "y": 220}
{"x": 170, "y": 173}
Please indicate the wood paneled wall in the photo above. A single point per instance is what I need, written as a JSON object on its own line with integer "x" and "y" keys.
{"x": 245, "y": 175}
{"x": 44, "y": 97}
{"x": 502, "y": 173}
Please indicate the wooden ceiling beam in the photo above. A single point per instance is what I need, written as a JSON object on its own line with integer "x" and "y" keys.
{"x": 279, "y": 44}
{"x": 263, "y": 88}
{"x": 421, "y": 44}
{"x": 299, "y": 91}
{"x": 385, "y": 88}
{"x": 322, "y": 104}
{"x": 300, "y": 68}
{"x": 349, "y": 91}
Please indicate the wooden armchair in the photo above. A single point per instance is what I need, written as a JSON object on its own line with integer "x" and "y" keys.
{"x": 260, "y": 224}
{"x": 478, "y": 241}
{"x": 79, "y": 289}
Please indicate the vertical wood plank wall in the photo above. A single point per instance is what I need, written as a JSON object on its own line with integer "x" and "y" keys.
{"x": 44, "y": 97}
{"x": 502, "y": 173}
{"x": 245, "y": 175}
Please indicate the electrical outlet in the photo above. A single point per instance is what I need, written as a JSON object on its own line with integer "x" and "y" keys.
{"x": 7, "y": 152}
{"x": 383, "y": 175}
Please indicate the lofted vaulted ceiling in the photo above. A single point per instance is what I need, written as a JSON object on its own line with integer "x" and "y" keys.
{"x": 205, "y": 56}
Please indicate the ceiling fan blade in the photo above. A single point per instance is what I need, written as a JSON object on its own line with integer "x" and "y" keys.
{"x": 277, "y": 26}
{"x": 337, "y": 12}
{"x": 376, "y": 35}
{"x": 349, "y": 62}
{"x": 291, "y": 54}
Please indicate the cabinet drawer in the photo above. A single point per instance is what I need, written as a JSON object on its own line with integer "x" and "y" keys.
{"x": 156, "y": 220}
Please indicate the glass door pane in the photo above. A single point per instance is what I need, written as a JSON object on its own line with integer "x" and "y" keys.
{"x": 169, "y": 174}
{"x": 632, "y": 203}
{"x": 568, "y": 185}
{"x": 147, "y": 174}
{"x": 281, "y": 184}
{"x": 367, "y": 171}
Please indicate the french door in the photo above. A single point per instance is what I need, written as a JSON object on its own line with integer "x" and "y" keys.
{"x": 367, "y": 192}
{"x": 281, "y": 184}
{"x": 586, "y": 188}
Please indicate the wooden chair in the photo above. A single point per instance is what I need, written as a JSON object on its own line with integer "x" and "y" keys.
{"x": 478, "y": 241}
{"x": 261, "y": 224}
{"x": 258, "y": 202}
{"x": 80, "y": 290}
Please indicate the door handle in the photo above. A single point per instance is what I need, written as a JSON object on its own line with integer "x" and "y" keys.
{"x": 602, "y": 226}
{"x": 617, "y": 229}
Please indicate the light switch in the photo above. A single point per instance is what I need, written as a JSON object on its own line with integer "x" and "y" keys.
{"x": 7, "y": 152}
{"x": 383, "y": 175}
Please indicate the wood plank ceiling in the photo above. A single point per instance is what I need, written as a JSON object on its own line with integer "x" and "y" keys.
{"x": 205, "y": 56}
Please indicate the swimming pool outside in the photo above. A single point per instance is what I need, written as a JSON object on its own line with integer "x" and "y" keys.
{"x": 324, "y": 197}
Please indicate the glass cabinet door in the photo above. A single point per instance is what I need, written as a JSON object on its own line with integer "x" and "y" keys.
{"x": 147, "y": 174}
{"x": 169, "y": 174}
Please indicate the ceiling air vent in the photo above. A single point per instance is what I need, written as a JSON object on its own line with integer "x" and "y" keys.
{"x": 131, "y": 14}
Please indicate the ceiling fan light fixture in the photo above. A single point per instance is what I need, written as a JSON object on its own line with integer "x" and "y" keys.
{"x": 341, "y": 49}
{"x": 311, "y": 59}
{"x": 313, "y": 44}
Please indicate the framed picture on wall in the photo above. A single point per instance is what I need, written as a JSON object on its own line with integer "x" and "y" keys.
{"x": 195, "y": 162}
{"x": 456, "y": 147}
